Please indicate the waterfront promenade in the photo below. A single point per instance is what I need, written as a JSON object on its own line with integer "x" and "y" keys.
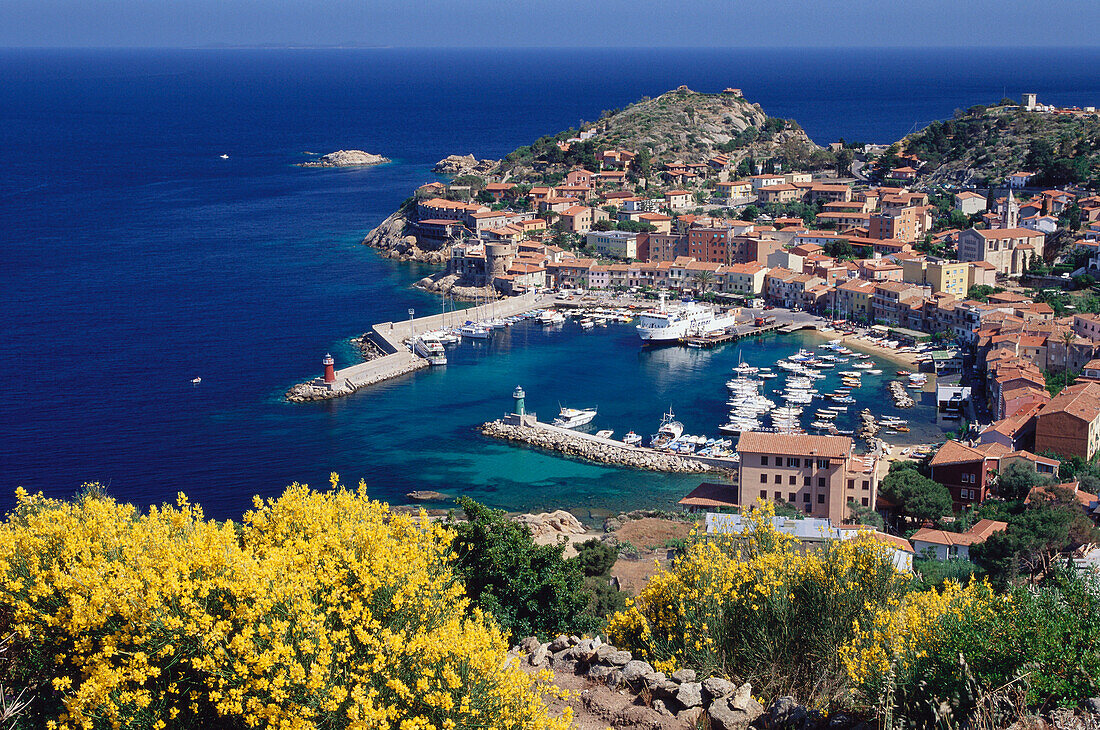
{"x": 397, "y": 359}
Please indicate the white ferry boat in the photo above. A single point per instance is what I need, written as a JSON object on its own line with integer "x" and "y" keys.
{"x": 670, "y": 324}
{"x": 431, "y": 349}
{"x": 574, "y": 417}
{"x": 474, "y": 331}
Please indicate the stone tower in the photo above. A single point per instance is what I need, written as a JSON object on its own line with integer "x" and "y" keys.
{"x": 1010, "y": 213}
{"x": 498, "y": 257}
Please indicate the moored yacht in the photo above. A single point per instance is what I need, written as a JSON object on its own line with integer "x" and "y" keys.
{"x": 431, "y": 349}
{"x": 574, "y": 417}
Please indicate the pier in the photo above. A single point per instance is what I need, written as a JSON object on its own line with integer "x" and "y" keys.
{"x": 397, "y": 359}
{"x": 708, "y": 341}
{"x": 527, "y": 429}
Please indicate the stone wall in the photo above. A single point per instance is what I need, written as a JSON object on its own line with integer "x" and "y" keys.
{"x": 593, "y": 449}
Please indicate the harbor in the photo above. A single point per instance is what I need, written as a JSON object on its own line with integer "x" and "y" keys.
{"x": 396, "y": 350}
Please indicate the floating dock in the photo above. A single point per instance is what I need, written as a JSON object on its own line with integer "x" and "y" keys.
{"x": 708, "y": 341}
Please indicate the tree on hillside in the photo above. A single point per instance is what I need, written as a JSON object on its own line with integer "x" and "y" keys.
{"x": 917, "y": 497}
{"x": 529, "y": 589}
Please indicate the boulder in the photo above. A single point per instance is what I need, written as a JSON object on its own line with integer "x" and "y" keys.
{"x": 598, "y": 671}
{"x": 716, "y": 687}
{"x": 684, "y": 675}
{"x": 725, "y": 716}
{"x": 560, "y": 643}
{"x": 634, "y": 670}
{"x": 618, "y": 658}
{"x": 786, "y": 713}
{"x": 741, "y": 699}
{"x": 529, "y": 643}
{"x": 614, "y": 679}
{"x": 538, "y": 657}
{"x": 1092, "y": 705}
{"x": 660, "y": 709}
{"x": 690, "y": 694}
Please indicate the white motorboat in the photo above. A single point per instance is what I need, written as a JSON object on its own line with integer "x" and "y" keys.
{"x": 431, "y": 349}
{"x": 632, "y": 439}
{"x": 196, "y": 381}
{"x": 586, "y": 323}
{"x": 605, "y": 433}
{"x": 551, "y": 316}
{"x": 574, "y": 417}
{"x": 475, "y": 331}
{"x": 669, "y": 430}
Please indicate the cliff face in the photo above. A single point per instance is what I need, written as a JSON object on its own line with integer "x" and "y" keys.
{"x": 395, "y": 237}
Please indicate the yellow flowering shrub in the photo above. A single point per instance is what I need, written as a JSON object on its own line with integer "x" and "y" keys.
{"x": 317, "y": 610}
{"x": 761, "y": 608}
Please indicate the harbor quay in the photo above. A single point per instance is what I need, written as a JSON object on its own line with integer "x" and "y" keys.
{"x": 527, "y": 429}
{"x": 396, "y": 359}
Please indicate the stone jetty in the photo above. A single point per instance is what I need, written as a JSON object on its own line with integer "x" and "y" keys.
{"x": 591, "y": 449}
{"x": 901, "y": 398}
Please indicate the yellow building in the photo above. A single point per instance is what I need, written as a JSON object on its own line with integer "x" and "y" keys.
{"x": 943, "y": 276}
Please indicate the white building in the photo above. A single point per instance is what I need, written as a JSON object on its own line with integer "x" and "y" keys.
{"x": 621, "y": 244}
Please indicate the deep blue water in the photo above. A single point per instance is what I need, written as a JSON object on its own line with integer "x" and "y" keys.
{"x": 135, "y": 259}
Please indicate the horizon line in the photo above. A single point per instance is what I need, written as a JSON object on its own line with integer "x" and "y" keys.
{"x": 352, "y": 47}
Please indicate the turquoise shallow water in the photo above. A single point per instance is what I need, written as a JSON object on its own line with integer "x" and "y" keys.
{"x": 421, "y": 430}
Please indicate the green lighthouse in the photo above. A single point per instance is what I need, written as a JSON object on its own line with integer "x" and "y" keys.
{"x": 518, "y": 395}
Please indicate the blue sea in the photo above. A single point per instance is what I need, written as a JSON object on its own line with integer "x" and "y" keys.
{"x": 135, "y": 258}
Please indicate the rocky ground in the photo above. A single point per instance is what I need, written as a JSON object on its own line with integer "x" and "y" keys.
{"x": 453, "y": 165}
{"x": 347, "y": 158}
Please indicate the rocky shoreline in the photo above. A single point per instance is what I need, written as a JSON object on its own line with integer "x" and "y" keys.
{"x": 593, "y": 450}
{"x": 347, "y": 158}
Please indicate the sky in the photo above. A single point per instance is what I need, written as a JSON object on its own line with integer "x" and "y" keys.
{"x": 518, "y": 23}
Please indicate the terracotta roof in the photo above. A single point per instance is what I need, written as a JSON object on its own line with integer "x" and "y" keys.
{"x": 833, "y": 447}
{"x": 1081, "y": 400}
{"x": 709, "y": 494}
{"x": 978, "y": 533}
{"x": 953, "y": 452}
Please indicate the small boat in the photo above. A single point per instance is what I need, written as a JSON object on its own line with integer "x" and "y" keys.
{"x": 431, "y": 349}
{"x": 225, "y": 157}
{"x": 586, "y": 323}
{"x": 551, "y": 316}
{"x": 474, "y": 331}
{"x": 574, "y": 417}
{"x": 196, "y": 381}
{"x": 605, "y": 433}
{"x": 632, "y": 439}
{"x": 863, "y": 365}
{"x": 903, "y": 373}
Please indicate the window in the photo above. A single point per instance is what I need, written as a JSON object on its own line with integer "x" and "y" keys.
{"x": 821, "y": 498}
{"x": 864, "y": 501}
{"x": 821, "y": 481}
{"x": 763, "y": 494}
{"x": 866, "y": 485}
{"x": 778, "y": 478}
{"x": 851, "y": 484}
{"x": 791, "y": 497}
{"x": 822, "y": 463}
{"x": 763, "y": 461}
{"x": 806, "y": 497}
{"x": 792, "y": 480}
{"x": 778, "y": 496}
{"x": 806, "y": 481}
{"x": 763, "y": 478}
{"x": 791, "y": 461}
{"x": 807, "y": 463}
{"x": 778, "y": 461}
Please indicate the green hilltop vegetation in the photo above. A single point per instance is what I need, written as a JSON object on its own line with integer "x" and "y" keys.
{"x": 679, "y": 125}
{"x": 983, "y": 145}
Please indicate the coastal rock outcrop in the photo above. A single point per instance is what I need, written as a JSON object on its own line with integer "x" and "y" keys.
{"x": 395, "y": 238}
{"x": 347, "y": 158}
{"x": 569, "y": 445}
{"x": 558, "y": 522}
{"x": 463, "y": 164}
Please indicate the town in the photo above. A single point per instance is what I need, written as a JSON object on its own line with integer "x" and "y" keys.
{"x": 999, "y": 277}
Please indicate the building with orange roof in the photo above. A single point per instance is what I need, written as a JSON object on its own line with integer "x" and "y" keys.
{"x": 944, "y": 545}
{"x": 1070, "y": 424}
{"x": 1009, "y": 250}
{"x": 779, "y": 194}
{"x": 818, "y": 474}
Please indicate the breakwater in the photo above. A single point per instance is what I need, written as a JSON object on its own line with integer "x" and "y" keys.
{"x": 591, "y": 448}
{"x": 394, "y": 358}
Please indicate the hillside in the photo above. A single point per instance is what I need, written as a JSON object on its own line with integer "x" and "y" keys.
{"x": 679, "y": 125}
{"x": 984, "y": 144}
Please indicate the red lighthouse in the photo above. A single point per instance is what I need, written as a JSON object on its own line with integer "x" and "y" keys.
{"x": 330, "y": 369}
